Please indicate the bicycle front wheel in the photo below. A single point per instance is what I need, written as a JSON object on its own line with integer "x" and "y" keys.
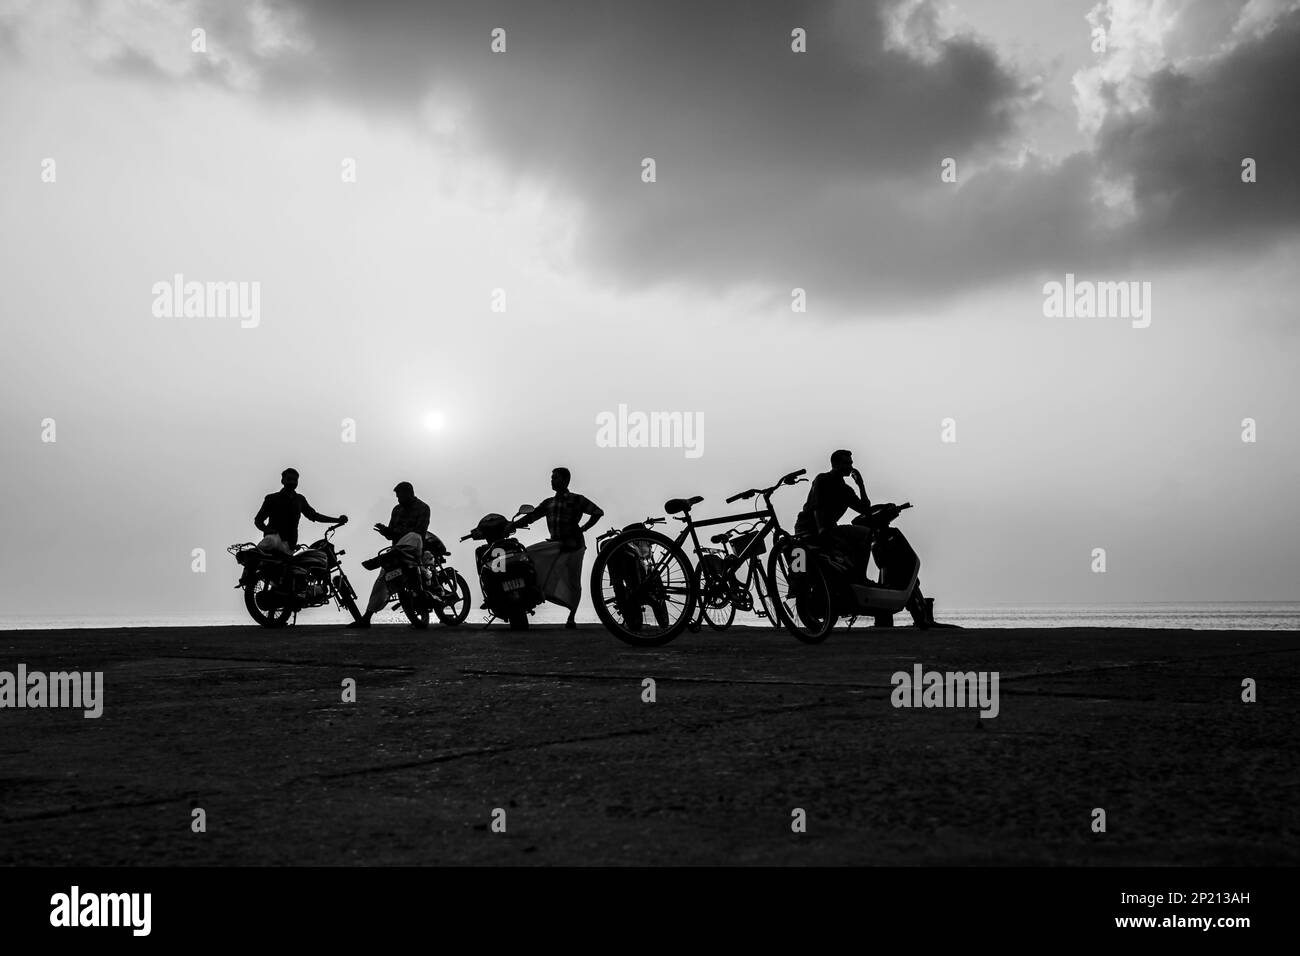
{"x": 643, "y": 588}
{"x": 800, "y": 594}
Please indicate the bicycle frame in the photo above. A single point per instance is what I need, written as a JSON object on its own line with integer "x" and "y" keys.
{"x": 734, "y": 562}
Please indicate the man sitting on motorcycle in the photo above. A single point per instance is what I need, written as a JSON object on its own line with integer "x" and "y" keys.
{"x": 828, "y": 499}
{"x": 406, "y": 528}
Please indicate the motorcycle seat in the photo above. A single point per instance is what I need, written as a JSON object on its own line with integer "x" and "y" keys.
{"x": 674, "y": 505}
{"x": 310, "y": 558}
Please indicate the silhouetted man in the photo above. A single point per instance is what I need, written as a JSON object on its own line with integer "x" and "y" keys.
{"x": 559, "y": 560}
{"x": 828, "y": 500}
{"x": 281, "y": 510}
{"x": 406, "y": 528}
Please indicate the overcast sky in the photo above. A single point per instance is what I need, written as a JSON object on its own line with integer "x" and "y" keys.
{"x": 522, "y": 171}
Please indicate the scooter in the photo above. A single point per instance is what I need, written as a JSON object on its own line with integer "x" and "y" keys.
{"x": 823, "y": 582}
{"x": 506, "y": 573}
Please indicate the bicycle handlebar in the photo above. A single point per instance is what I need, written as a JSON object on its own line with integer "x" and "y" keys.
{"x": 789, "y": 479}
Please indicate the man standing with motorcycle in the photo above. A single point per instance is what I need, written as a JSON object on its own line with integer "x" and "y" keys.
{"x": 406, "y": 528}
{"x": 828, "y": 499}
{"x": 559, "y": 560}
{"x": 278, "y": 517}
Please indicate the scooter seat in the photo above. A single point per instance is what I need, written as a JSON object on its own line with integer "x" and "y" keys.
{"x": 674, "y": 505}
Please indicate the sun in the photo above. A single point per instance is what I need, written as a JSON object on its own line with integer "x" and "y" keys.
{"x": 435, "y": 421}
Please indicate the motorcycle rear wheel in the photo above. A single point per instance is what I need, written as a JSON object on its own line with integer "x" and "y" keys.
{"x": 671, "y": 596}
{"x": 273, "y": 619}
{"x": 413, "y": 605}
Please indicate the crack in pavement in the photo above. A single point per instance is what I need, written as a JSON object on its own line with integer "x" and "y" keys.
{"x": 276, "y": 660}
{"x": 538, "y": 745}
{"x": 777, "y": 682}
{"x": 74, "y": 811}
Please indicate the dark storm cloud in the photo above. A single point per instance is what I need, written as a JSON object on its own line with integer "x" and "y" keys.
{"x": 1184, "y": 152}
{"x": 814, "y": 168}
{"x": 818, "y": 170}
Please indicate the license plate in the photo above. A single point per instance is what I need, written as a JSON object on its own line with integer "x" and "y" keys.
{"x": 393, "y": 574}
{"x": 514, "y": 584}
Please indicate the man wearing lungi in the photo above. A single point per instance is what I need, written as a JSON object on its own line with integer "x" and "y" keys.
{"x": 559, "y": 560}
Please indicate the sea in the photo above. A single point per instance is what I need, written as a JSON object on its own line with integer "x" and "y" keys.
{"x": 1234, "y": 616}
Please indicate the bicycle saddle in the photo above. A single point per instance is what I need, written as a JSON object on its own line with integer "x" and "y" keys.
{"x": 674, "y": 505}
{"x": 721, "y": 538}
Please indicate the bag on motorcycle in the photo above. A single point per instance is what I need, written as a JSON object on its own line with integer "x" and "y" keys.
{"x": 273, "y": 542}
{"x": 311, "y": 560}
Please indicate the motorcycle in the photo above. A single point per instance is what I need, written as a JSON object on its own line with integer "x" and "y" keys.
{"x": 628, "y": 570}
{"x": 277, "y": 585}
{"x": 816, "y": 581}
{"x": 427, "y": 585}
{"x": 506, "y": 573}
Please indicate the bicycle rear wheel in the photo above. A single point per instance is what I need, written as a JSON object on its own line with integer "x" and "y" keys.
{"x": 716, "y": 608}
{"x": 720, "y": 618}
{"x": 643, "y": 588}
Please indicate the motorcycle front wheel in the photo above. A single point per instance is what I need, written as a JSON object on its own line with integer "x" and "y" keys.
{"x": 453, "y": 613}
{"x": 347, "y": 596}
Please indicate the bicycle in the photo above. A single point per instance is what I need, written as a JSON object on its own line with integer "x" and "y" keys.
{"x": 739, "y": 591}
{"x": 666, "y": 582}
